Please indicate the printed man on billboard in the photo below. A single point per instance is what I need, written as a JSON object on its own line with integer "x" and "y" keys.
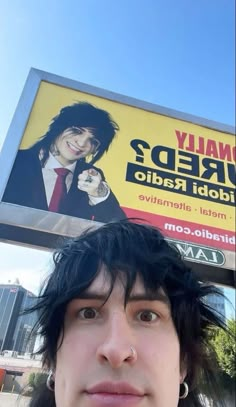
{"x": 57, "y": 173}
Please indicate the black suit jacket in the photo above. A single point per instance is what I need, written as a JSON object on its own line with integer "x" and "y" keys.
{"x": 26, "y": 187}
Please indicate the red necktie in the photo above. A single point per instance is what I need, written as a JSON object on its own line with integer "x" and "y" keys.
{"x": 60, "y": 191}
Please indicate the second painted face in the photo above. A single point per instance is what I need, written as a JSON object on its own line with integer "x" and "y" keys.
{"x": 74, "y": 143}
{"x": 116, "y": 355}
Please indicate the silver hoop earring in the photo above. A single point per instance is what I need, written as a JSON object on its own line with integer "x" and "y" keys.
{"x": 186, "y": 391}
{"x": 50, "y": 383}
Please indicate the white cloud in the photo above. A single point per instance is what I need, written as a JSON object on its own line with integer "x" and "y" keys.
{"x": 30, "y": 266}
{"x": 29, "y": 279}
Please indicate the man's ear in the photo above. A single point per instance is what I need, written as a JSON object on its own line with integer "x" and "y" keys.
{"x": 182, "y": 376}
{"x": 183, "y": 370}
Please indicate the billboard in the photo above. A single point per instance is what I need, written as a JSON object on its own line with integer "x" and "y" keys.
{"x": 120, "y": 158}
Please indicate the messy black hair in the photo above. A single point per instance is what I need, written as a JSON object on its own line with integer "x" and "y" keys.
{"x": 134, "y": 250}
{"x": 80, "y": 114}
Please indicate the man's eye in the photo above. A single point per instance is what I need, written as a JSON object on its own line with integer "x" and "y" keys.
{"x": 88, "y": 313}
{"x": 77, "y": 130}
{"x": 147, "y": 316}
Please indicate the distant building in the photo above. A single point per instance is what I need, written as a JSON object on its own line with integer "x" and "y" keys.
{"x": 218, "y": 304}
{"x": 15, "y": 329}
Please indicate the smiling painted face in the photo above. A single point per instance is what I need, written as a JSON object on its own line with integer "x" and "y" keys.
{"x": 116, "y": 355}
{"x": 74, "y": 143}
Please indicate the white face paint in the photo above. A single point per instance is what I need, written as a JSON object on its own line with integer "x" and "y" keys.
{"x": 75, "y": 143}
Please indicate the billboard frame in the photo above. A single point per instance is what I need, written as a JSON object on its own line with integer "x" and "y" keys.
{"x": 14, "y": 217}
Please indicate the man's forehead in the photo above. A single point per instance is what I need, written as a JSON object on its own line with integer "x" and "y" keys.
{"x": 102, "y": 282}
{"x": 101, "y": 286}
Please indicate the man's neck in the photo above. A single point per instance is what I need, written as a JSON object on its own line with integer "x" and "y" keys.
{"x": 54, "y": 162}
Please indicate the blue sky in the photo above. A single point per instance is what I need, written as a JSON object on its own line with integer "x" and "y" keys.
{"x": 175, "y": 54}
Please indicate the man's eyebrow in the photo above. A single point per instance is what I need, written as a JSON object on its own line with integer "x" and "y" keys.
{"x": 158, "y": 296}
{"x": 92, "y": 295}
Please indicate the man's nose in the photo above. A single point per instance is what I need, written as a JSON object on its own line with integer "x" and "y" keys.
{"x": 118, "y": 345}
{"x": 81, "y": 140}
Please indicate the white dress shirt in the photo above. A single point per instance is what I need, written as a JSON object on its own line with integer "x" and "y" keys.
{"x": 50, "y": 177}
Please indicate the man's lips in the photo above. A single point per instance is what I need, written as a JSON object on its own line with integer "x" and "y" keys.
{"x": 73, "y": 148}
{"x": 114, "y": 394}
{"x": 112, "y": 388}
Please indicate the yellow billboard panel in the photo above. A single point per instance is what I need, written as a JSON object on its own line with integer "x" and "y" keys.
{"x": 117, "y": 160}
